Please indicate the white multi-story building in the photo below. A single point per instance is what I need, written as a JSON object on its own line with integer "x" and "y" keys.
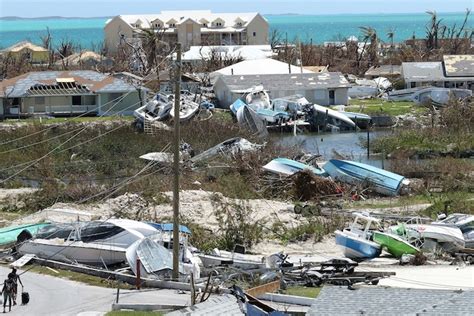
{"x": 190, "y": 28}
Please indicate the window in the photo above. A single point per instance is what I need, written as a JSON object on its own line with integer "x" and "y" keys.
{"x": 115, "y": 97}
{"x": 157, "y": 25}
{"x": 413, "y": 85}
{"x": 173, "y": 25}
{"x": 239, "y": 24}
{"x": 254, "y": 34}
{"x": 204, "y": 24}
{"x": 76, "y": 100}
{"x": 331, "y": 94}
{"x": 39, "y": 100}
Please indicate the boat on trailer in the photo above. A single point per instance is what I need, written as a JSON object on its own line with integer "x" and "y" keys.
{"x": 356, "y": 240}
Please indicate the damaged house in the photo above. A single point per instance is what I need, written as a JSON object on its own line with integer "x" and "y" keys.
{"x": 330, "y": 88}
{"x": 63, "y": 93}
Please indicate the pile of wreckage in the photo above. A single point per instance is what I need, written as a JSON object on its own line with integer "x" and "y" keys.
{"x": 161, "y": 107}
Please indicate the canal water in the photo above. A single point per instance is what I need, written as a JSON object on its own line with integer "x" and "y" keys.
{"x": 329, "y": 145}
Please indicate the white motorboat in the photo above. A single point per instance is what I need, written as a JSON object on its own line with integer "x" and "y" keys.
{"x": 187, "y": 109}
{"x": 255, "y": 97}
{"x": 440, "y": 96}
{"x": 448, "y": 237}
{"x": 356, "y": 240}
{"x": 241, "y": 260}
{"x": 94, "y": 243}
{"x": 403, "y": 94}
{"x": 157, "y": 109}
{"x": 72, "y": 251}
{"x": 464, "y": 222}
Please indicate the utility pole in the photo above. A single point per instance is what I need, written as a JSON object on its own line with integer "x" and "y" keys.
{"x": 176, "y": 138}
{"x": 301, "y": 56}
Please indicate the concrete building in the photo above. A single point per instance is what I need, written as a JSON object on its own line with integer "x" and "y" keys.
{"x": 328, "y": 88}
{"x": 190, "y": 28}
{"x": 196, "y": 54}
{"x": 33, "y": 53}
{"x": 67, "y": 93}
{"x": 455, "y": 71}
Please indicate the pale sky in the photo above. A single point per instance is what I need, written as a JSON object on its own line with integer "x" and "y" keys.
{"x": 91, "y": 8}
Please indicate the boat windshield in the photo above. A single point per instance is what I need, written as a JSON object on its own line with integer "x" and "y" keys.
{"x": 55, "y": 231}
{"x": 99, "y": 230}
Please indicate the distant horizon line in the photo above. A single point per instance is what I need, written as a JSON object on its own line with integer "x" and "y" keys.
{"x": 13, "y": 17}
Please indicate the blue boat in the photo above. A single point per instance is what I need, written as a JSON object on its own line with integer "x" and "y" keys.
{"x": 234, "y": 107}
{"x": 355, "y": 240}
{"x": 382, "y": 181}
{"x": 271, "y": 116}
{"x": 288, "y": 167}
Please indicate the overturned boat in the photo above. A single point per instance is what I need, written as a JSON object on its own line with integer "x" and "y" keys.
{"x": 403, "y": 94}
{"x": 288, "y": 167}
{"x": 356, "y": 240}
{"x": 250, "y": 120}
{"x": 382, "y": 181}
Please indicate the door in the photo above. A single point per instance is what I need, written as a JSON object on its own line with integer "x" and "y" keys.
{"x": 332, "y": 97}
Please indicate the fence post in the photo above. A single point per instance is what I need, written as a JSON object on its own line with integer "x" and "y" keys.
{"x": 138, "y": 274}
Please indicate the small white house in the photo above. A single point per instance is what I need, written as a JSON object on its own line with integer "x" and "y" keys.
{"x": 68, "y": 93}
{"x": 330, "y": 88}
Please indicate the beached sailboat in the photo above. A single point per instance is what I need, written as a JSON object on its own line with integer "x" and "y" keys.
{"x": 394, "y": 244}
{"x": 355, "y": 240}
{"x": 380, "y": 180}
{"x": 288, "y": 167}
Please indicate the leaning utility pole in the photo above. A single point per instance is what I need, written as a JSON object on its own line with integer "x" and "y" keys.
{"x": 177, "y": 103}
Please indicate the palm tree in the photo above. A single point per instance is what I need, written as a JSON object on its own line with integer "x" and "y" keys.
{"x": 391, "y": 36}
{"x": 432, "y": 30}
{"x": 370, "y": 34}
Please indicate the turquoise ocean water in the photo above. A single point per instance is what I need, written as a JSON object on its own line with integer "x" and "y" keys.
{"x": 317, "y": 28}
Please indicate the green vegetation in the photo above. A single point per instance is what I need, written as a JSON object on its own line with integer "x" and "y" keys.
{"x": 451, "y": 133}
{"x": 379, "y": 106}
{"x": 311, "y": 292}
{"x": 134, "y": 313}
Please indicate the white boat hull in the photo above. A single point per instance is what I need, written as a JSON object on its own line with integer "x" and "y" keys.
{"x": 71, "y": 251}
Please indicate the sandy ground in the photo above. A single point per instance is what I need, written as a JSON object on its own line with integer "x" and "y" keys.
{"x": 195, "y": 205}
{"x": 13, "y": 193}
